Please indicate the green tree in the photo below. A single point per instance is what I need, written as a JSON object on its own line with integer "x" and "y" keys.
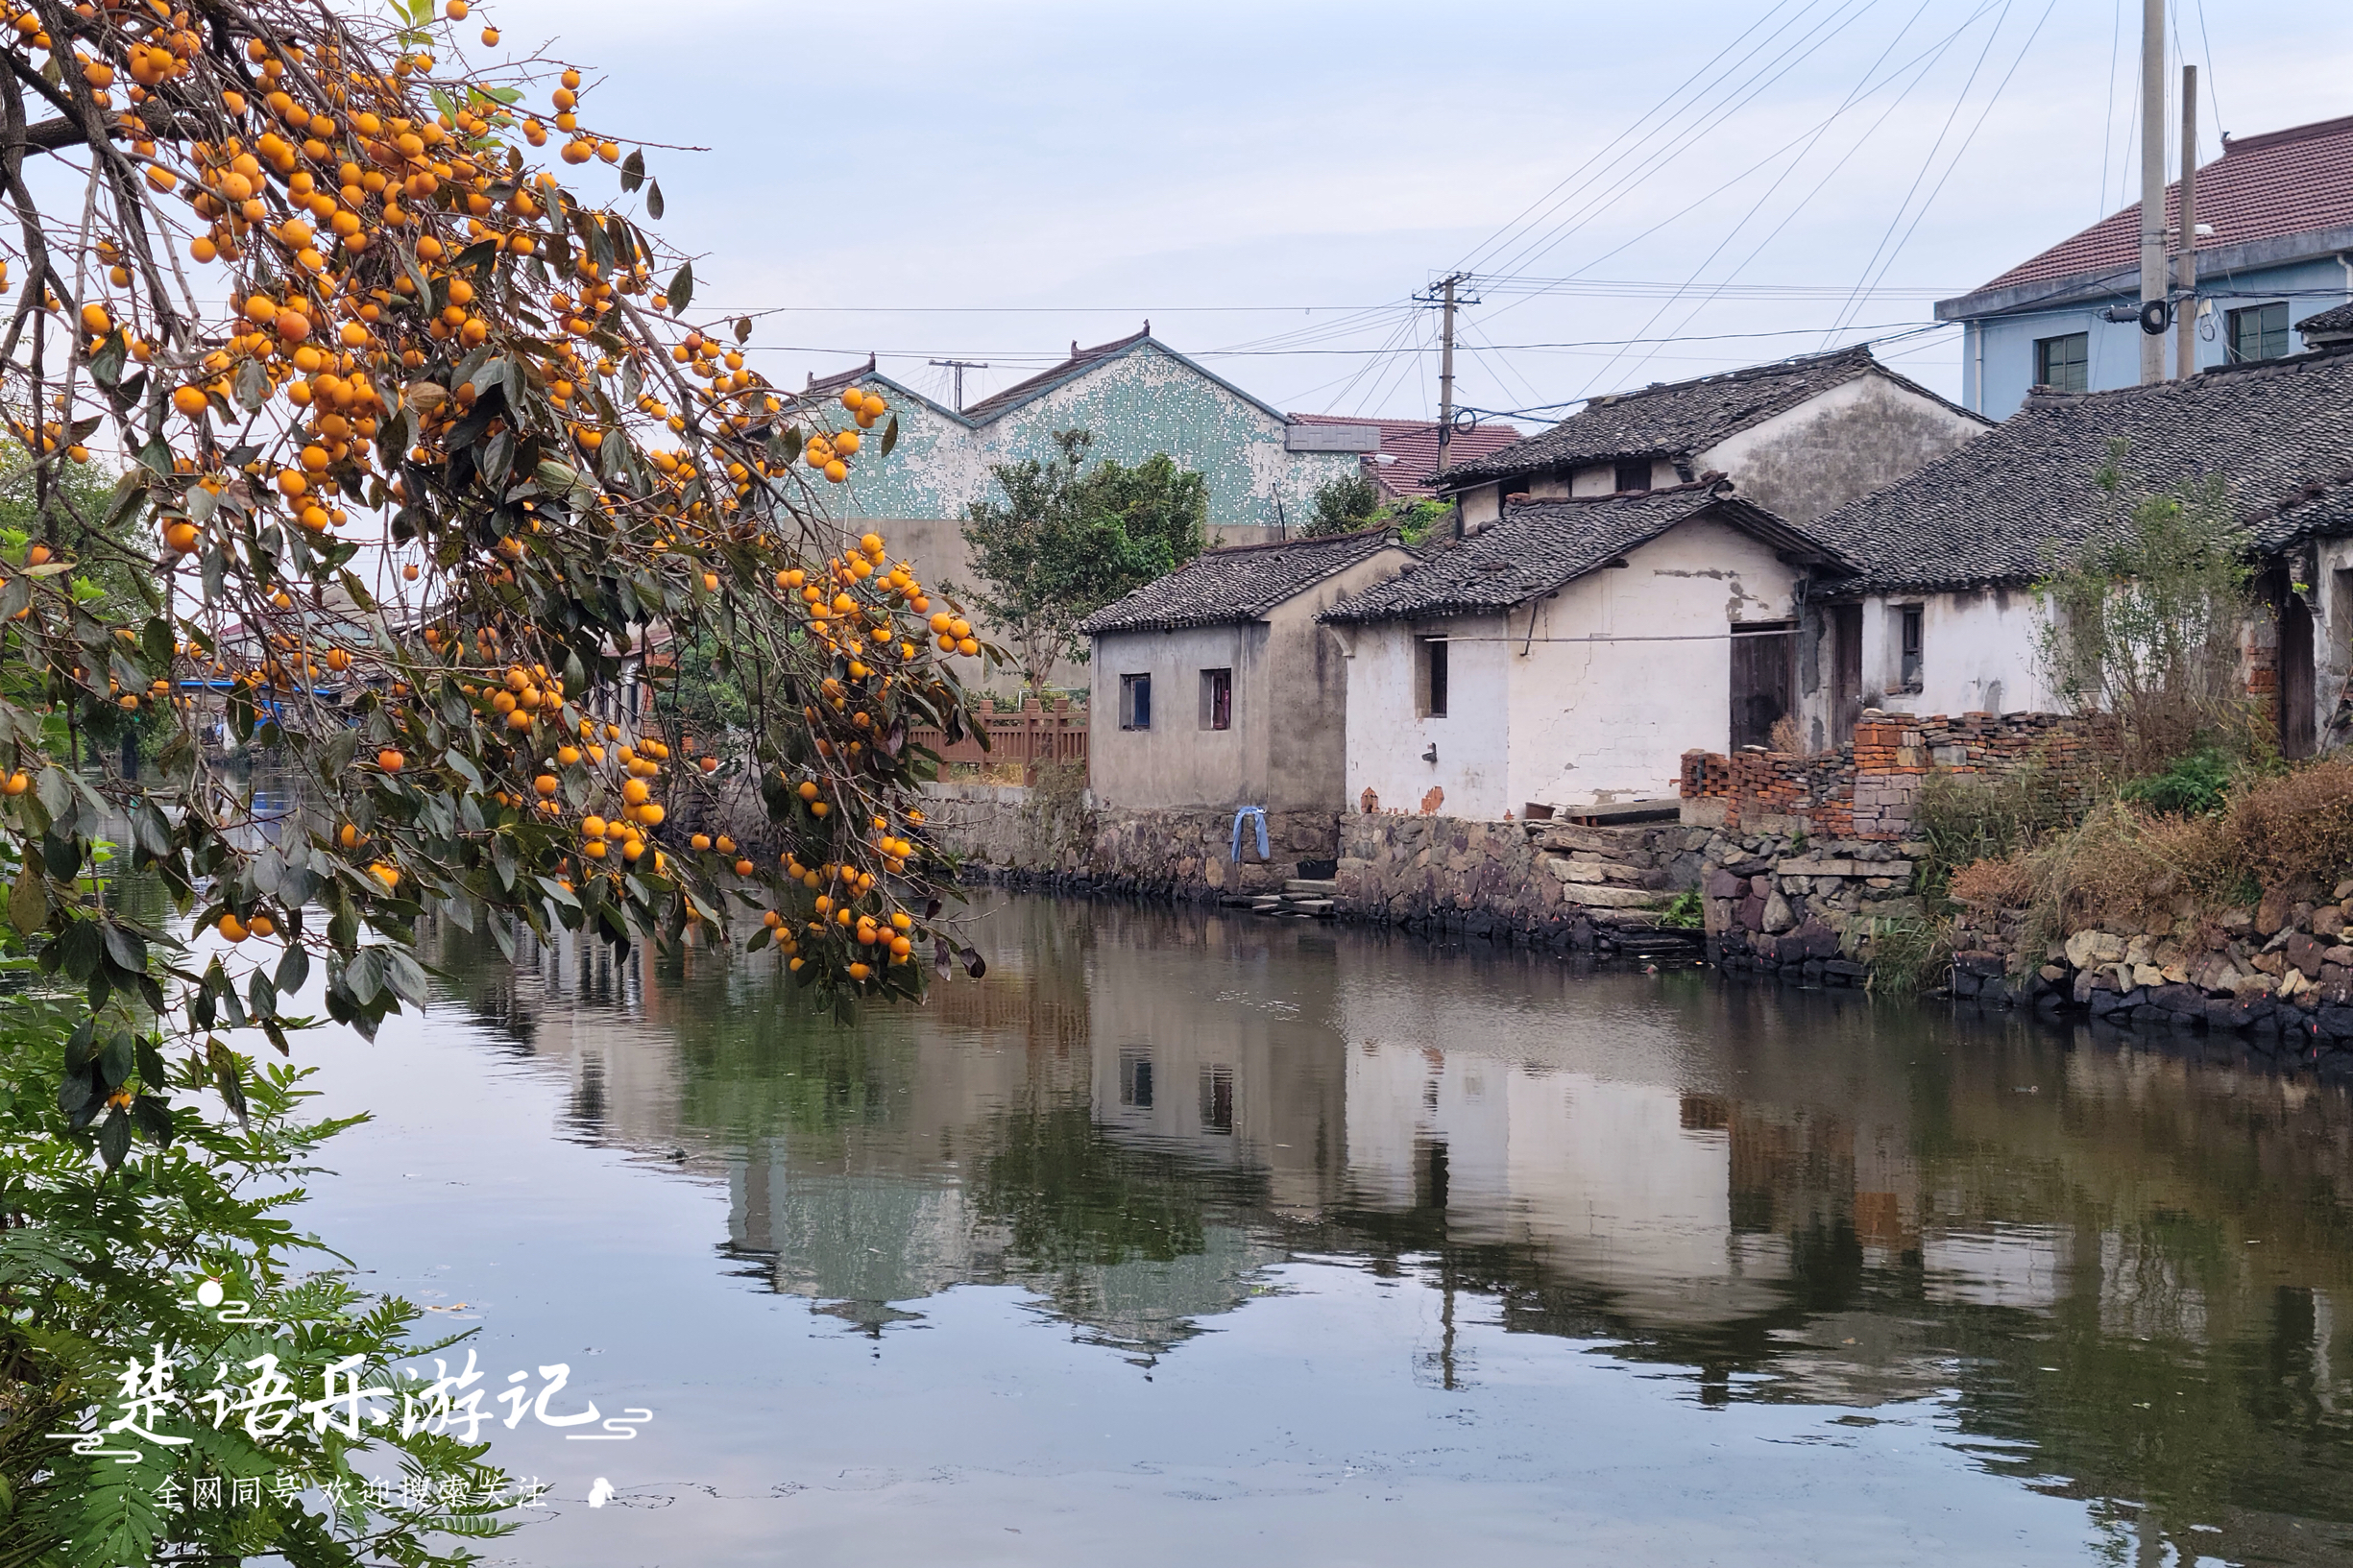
{"x": 2144, "y": 615}
{"x": 1346, "y": 504}
{"x": 1067, "y": 539}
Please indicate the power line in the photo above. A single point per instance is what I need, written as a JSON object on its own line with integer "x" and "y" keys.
{"x": 1027, "y": 358}
{"x": 1854, "y": 97}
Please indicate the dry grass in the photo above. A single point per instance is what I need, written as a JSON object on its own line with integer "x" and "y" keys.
{"x": 2297, "y": 828}
{"x": 2004, "y": 884}
{"x": 2121, "y": 866}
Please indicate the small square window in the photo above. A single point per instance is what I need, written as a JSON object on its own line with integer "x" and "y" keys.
{"x": 1135, "y": 702}
{"x": 1430, "y": 679}
{"x": 1633, "y": 473}
{"x": 1217, "y": 699}
{"x": 2063, "y": 364}
{"x": 2258, "y": 332}
{"x": 1913, "y": 616}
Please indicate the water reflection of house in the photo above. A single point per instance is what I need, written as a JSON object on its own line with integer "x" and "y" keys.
{"x": 1243, "y": 1072}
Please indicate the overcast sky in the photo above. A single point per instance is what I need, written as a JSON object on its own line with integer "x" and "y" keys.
{"x": 990, "y": 181}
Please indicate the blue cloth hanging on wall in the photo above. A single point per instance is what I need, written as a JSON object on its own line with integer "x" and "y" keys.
{"x": 1249, "y": 813}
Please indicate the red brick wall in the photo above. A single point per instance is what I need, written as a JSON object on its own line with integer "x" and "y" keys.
{"x": 1867, "y": 789}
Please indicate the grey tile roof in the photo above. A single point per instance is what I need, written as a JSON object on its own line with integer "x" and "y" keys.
{"x": 2336, "y": 322}
{"x": 1993, "y": 512}
{"x": 1217, "y": 588}
{"x": 1677, "y": 419}
{"x": 1538, "y": 546}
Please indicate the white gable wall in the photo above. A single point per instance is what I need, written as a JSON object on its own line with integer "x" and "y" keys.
{"x": 1982, "y": 651}
{"x": 1387, "y": 735}
{"x": 1610, "y": 720}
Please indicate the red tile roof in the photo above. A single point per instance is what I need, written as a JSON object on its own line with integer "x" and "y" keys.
{"x": 2261, "y": 187}
{"x": 1414, "y": 444}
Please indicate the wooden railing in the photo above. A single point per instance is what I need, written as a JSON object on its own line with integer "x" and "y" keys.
{"x": 1033, "y": 734}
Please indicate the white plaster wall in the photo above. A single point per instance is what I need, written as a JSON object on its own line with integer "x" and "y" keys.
{"x": 1387, "y": 738}
{"x": 1612, "y": 720}
{"x": 1480, "y": 506}
{"x": 1980, "y": 651}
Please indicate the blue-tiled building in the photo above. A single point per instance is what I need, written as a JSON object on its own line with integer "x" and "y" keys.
{"x": 2274, "y": 246}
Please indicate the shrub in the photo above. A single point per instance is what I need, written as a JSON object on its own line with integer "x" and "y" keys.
{"x": 2145, "y": 614}
{"x": 2194, "y": 784}
{"x": 1908, "y": 957}
{"x": 2297, "y": 827}
{"x": 2123, "y": 865}
{"x": 1684, "y": 913}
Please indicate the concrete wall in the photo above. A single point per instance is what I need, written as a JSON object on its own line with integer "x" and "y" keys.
{"x": 1981, "y": 652}
{"x": 1998, "y": 352}
{"x": 1561, "y": 723}
{"x": 1858, "y": 437}
{"x": 1176, "y": 761}
{"x": 1387, "y": 735}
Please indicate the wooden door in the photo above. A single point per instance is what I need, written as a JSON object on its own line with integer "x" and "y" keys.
{"x": 1760, "y": 683}
{"x": 2295, "y": 676}
{"x": 1846, "y": 670}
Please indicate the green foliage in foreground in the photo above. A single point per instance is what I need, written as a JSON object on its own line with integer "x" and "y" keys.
{"x": 99, "y": 1270}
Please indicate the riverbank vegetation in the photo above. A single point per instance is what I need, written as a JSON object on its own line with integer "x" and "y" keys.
{"x": 2188, "y": 814}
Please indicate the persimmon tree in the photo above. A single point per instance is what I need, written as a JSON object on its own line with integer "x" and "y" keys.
{"x": 300, "y": 269}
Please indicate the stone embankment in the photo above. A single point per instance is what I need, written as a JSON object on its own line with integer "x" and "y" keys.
{"x": 1774, "y": 902}
{"x": 2280, "y": 974}
{"x": 1058, "y": 840}
{"x": 1552, "y": 884}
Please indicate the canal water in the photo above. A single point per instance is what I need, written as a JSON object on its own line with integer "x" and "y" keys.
{"x": 1183, "y": 1238}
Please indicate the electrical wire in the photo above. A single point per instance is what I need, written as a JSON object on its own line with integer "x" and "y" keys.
{"x": 1930, "y": 161}
{"x": 1854, "y": 96}
{"x": 1967, "y": 141}
{"x": 1767, "y": 75}
{"x": 1551, "y": 201}
{"x": 1767, "y": 160}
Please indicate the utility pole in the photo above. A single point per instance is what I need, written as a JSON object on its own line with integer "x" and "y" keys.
{"x": 2153, "y": 280}
{"x": 959, "y": 366}
{"x": 2185, "y": 275}
{"x": 1444, "y": 295}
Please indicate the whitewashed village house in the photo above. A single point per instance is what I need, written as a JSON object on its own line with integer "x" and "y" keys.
{"x": 1566, "y": 654}
{"x": 1216, "y": 687}
{"x": 1940, "y": 616}
{"x": 1799, "y": 438}
{"x": 1629, "y": 585}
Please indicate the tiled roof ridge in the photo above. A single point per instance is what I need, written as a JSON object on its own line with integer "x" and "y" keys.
{"x": 1859, "y": 352}
{"x": 1181, "y": 598}
{"x": 1078, "y": 359}
{"x": 1705, "y": 481}
{"x": 1297, "y": 542}
{"x": 2286, "y": 136}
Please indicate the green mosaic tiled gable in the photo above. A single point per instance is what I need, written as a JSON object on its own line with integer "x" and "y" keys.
{"x": 1137, "y": 396}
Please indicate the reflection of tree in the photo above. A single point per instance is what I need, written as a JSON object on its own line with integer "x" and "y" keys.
{"x": 1069, "y": 1196}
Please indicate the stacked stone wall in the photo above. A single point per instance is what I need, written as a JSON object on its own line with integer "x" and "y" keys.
{"x": 1547, "y": 883}
{"x": 1037, "y": 836}
{"x": 1775, "y": 902}
{"x": 2279, "y": 974}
